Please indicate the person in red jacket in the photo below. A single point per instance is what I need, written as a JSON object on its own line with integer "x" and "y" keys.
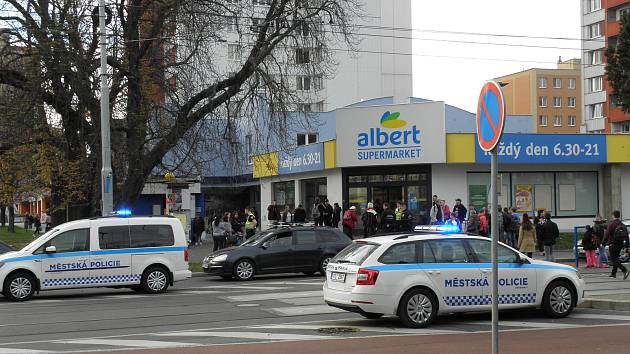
{"x": 350, "y": 221}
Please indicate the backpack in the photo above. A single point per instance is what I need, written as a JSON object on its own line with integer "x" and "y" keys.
{"x": 620, "y": 235}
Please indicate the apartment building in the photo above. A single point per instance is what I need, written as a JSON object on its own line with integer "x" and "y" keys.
{"x": 552, "y": 97}
{"x": 600, "y": 28}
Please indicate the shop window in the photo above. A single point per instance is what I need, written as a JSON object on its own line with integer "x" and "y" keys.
{"x": 375, "y": 178}
{"x": 306, "y": 138}
{"x": 357, "y": 179}
{"x": 357, "y": 196}
{"x": 284, "y": 194}
{"x": 394, "y": 178}
{"x": 412, "y": 177}
{"x": 570, "y": 185}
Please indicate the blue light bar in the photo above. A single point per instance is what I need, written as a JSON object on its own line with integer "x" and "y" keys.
{"x": 123, "y": 212}
{"x": 443, "y": 229}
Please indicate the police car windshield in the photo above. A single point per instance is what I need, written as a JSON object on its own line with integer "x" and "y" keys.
{"x": 37, "y": 242}
{"x": 355, "y": 253}
{"x": 256, "y": 239}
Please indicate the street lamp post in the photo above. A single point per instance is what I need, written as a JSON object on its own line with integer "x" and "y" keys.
{"x": 107, "y": 199}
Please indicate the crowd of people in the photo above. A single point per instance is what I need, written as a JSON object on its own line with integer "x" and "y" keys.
{"x": 36, "y": 221}
{"x": 227, "y": 229}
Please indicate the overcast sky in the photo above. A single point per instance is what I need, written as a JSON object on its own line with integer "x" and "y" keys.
{"x": 458, "y": 81}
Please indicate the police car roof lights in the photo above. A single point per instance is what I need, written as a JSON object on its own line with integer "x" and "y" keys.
{"x": 122, "y": 213}
{"x": 444, "y": 229}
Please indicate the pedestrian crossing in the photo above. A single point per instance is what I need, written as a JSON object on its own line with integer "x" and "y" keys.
{"x": 293, "y": 313}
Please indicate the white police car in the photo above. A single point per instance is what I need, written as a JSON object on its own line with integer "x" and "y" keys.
{"x": 143, "y": 253}
{"x": 419, "y": 276}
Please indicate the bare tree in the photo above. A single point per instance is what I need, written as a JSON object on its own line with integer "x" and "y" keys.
{"x": 187, "y": 77}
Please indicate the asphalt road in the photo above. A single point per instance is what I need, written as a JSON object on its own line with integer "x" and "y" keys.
{"x": 269, "y": 313}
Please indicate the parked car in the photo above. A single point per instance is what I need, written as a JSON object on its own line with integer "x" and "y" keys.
{"x": 5, "y": 248}
{"x": 282, "y": 250}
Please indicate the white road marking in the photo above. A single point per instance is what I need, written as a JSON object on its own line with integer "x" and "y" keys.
{"x": 199, "y": 292}
{"x": 246, "y": 335}
{"x": 523, "y": 324}
{"x": 301, "y": 301}
{"x": 594, "y": 316}
{"x": 235, "y": 287}
{"x": 274, "y": 296}
{"x": 296, "y": 283}
{"x": 128, "y": 343}
{"x": 420, "y": 331}
{"x": 18, "y": 351}
{"x": 305, "y": 310}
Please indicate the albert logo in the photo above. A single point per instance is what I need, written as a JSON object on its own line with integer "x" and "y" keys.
{"x": 392, "y": 135}
{"x": 390, "y": 120}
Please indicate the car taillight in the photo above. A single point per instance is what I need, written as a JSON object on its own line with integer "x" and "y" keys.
{"x": 367, "y": 277}
{"x": 185, "y": 255}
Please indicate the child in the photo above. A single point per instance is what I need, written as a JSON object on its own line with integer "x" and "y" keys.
{"x": 590, "y": 245}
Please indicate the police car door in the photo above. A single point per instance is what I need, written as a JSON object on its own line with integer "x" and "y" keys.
{"x": 517, "y": 281}
{"x": 457, "y": 279}
{"x": 112, "y": 260}
{"x": 65, "y": 260}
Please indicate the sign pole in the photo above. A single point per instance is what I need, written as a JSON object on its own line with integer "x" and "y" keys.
{"x": 494, "y": 230}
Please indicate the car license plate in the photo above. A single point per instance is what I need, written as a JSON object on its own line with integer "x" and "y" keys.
{"x": 338, "y": 277}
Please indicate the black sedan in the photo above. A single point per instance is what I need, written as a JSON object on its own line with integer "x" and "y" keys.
{"x": 282, "y": 250}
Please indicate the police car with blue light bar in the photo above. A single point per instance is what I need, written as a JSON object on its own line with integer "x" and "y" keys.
{"x": 143, "y": 253}
{"x": 435, "y": 271}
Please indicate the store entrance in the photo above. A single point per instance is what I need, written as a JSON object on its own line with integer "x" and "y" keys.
{"x": 386, "y": 194}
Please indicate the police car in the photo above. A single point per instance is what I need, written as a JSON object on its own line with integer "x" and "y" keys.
{"x": 420, "y": 276}
{"x": 143, "y": 253}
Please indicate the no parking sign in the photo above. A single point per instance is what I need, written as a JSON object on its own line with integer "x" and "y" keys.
{"x": 490, "y": 116}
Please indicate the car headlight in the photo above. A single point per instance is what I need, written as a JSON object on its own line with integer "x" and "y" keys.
{"x": 220, "y": 258}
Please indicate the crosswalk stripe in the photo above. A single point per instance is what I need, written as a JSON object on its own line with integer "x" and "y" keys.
{"x": 128, "y": 343}
{"x": 241, "y": 287}
{"x": 301, "y": 301}
{"x": 274, "y": 296}
{"x": 246, "y": 335}
{"x": 524, "y": 324}
{"x": 305, "y": 310}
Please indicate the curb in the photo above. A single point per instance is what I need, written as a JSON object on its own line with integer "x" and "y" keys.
{"x": 606, "y": 304}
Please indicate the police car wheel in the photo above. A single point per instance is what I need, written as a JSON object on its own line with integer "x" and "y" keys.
{"x": 417, "y": 308}
{"x": 19, "y": 287}
{"x": 155, "y": 280}
{"x": 324, "y": 263}
{"x": 371, "y": 315}
{"x": 558, "y": 299}
{"x": 244, "y": 270}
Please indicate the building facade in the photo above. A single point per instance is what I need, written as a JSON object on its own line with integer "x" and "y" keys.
{"x": 600, "y": 28}
{"x": 552, "y": 97}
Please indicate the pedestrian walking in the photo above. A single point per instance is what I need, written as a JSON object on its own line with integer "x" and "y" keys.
{"x": 328, "y": 213}
{"x": 350, "y": 221}
{"x": 38, "y": 225}
{"x": 550, "y": 234}
{"x": 405, "y": 219}
{"x": 617, "y": 239}
{"x": 370, "y": 221}
{"x": 460, "y": 210}
{"x": 221, "y": 230}
{"x": 250, "y": 223}
{"x": 388, "y": 219}
{"x": 590, "y": 245}
{"x": 48, "y": 222}
{"x": 273, "y": 214}
{"x": 527, "y": 236}
{"x": 317, "y": 213}
{"x": 599, "y": 230}
{"x": 336, "y": 215}
{"x": 453, "y": 221}
{"x": 446, "y": 211}
{"x": 287, "y": 216}
{"x": 299, "y": 214}
{"x": 483, "y": 222}
{"x": 472, "y": 224}
{"x": 436, "y": 211}
{"x": 538, "y": 221}
{"x": 237, "y": 229}
{"x": 199, "y": 228}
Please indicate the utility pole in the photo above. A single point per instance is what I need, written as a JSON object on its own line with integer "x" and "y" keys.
{"x": 107, "y": 198}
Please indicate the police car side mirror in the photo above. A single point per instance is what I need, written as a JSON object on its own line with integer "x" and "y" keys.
{"x": 522, "y": 260}
{"x": 50, "y": 249}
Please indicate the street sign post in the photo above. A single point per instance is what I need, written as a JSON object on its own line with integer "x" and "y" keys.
{"x": 490, "y": 122}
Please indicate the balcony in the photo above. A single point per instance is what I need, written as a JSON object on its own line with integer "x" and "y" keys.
{"x": 594, "y": 124}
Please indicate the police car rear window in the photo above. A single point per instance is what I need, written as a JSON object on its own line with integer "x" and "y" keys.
{"x": 135, "y": 236}
{"x": 355, "y": 253}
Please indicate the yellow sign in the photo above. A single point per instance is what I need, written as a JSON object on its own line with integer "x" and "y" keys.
{"x": 266, "y": 165}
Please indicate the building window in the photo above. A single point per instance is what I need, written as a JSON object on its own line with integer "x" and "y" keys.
{"x": 234, "y": 52}
{"x": 557, "y": 82}
{"x": 232, "y": 23}
{"x": 257, "y": 24}
{"x": 571, "y": 84}
{"x": 625, "y": 128}
{"x": 571, "y": 102}
{"x": 304, "y": 107}
{"x": 542, "y": 101}
{"x": 303, "y": 83}
{"x": 284, "y": 194}
{"x": 593, "y": 5}
{"x": 542, "y": 121}
{"x": 557, "y": 121}
{"x": 571, "y": 121}
{"x": 249, "y": 146}
{"x": 594, "y": 57}
{"x": 303, "y": 28}
{"x": 596, "y": 83}
{"x": 318, "y": 106}
{"x": 542, "y": 82}
{"x": 596, "y": 110}
{"x": 262, "y": 2}
{"x": 302, "y": 56}
{"x": 318, "y": 82}
{"x": 594, "y": 30}
{"x": 622, "y": 12}
{"x": 557, "y": 101}
{"x": 306, "y": 138}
